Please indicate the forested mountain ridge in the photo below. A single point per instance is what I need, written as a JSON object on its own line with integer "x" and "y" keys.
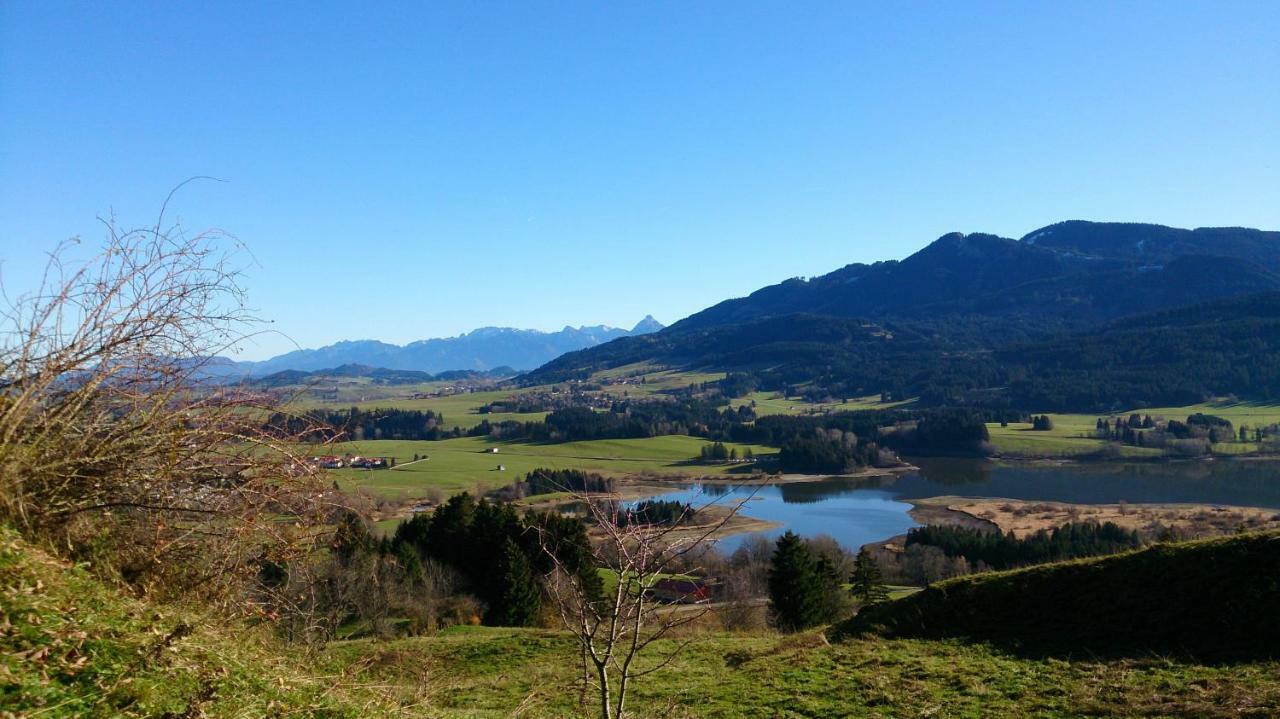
{"x": 1070, "y": 270}
{"x": 1074, "y": 316}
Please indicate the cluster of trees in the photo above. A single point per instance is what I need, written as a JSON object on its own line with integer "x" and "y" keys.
{"x": 830, "y": 451}
{"x": 518, "y": 404}
{"x": 548, "y": 481}
{"x": 662, "y": 512}
{"x": 1128, "y": 431}
{"x": 719, "y": 452}
{"x": 737, "y": 384}
{"x": 998, "y": 550}
{"x": 364, "y": 583}
{"x": 359, "y": 424}
{"x": 951, "y": 432}
{"x": 497, "y": 553}
{"x": 1193, "y": 437}
{"x": 1041, "y": 423}
{"x": 806, "y": 582}
{"x": 625, "y": 419}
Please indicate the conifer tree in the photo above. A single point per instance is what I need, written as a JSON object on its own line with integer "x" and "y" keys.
{"x": 795, "y": 590}
{"x": 835, "y": 603}
{"x": 519, "y": 603}
{"x": 866, "y": 579}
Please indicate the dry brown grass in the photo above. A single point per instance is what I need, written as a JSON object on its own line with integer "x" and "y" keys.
{"x": 1185, "y": 520}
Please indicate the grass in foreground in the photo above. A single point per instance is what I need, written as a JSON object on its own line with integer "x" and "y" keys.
{"x": 71, "y": 646}
{"x": 485, "y": 672}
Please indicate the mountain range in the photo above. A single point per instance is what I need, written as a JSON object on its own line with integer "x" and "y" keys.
{"x": 483, "y": 349}
{"x": 981, "y": 316}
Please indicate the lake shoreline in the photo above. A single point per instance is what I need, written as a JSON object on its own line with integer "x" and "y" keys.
{"x": 1094, "y": 459}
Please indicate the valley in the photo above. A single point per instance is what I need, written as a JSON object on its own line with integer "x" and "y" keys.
{"x": 332, "y": 384}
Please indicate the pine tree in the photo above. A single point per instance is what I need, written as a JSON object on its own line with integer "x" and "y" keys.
{"x": 795, "y": 590}
{"x": 519, "y": 603}
{"x": 866, "y": 579}
{"x": 835, "y": 601}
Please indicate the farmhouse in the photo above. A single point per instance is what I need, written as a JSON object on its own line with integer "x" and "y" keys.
{"x": 328, "y": 462}
{"x": 368, "y": 463}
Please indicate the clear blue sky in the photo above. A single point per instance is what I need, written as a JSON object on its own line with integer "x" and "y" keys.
{"x": 417, "y": 170}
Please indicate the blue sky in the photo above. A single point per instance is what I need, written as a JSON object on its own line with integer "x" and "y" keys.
{"x": 417, "y": 170}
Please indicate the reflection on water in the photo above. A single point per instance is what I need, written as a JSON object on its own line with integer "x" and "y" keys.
{"x": 1241, "y": 482}
{"x": 858, "y": 511}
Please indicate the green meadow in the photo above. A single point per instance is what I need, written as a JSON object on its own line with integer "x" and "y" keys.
{"x": 459, "y": 410}
{"x": 464, "y": 464}
{"x": 769, "y": 403}
{"x": 1072, "y": 434}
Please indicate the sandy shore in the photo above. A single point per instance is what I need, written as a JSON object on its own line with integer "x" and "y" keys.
{"x": 1026, "y": 517}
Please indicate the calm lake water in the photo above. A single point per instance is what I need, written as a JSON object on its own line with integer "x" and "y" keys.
{"x": 856, "y": 512}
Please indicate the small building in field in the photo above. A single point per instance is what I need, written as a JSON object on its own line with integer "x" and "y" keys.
{"x": 492, "y": 450}
{"x": 368, "y": 463}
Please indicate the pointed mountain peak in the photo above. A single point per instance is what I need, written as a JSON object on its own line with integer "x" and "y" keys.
{"x": 646, "y": 326}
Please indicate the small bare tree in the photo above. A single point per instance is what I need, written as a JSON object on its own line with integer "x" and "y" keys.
{"x": 615, "y": 631}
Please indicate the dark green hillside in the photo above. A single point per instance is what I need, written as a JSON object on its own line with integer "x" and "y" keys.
{"x": 1213, "y": 599}
{"x": 1075, "y": 317}
{"x": 1077, "y": 272}
{"x": 1175, "y": 357}
{"x": 1157, "y": 243}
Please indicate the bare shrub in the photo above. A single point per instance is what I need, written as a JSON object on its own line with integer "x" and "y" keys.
{"x": 116, "y": 443}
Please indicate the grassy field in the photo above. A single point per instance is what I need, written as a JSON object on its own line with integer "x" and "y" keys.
{"x": 72, "y": 646}
{"x": 483, "y": 672}
{"x": 768, "y": 403}
{"x": 1072, "y": 434}
{"x": 459, "y": 410}
{"x": 462, "y": 464}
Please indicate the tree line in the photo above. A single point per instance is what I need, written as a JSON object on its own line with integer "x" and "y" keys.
{"x": 359, "y": 424}
{"x": 999, "y": 550}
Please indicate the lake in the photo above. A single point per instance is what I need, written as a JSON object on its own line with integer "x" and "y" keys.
{"x": 858, "y": 511}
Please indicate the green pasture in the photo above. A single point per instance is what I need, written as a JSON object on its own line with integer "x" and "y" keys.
{"x": 769, "y": 403}
{"x": 463, "y": 464}
{"x": 1072, "y": 434}
{"x": 459, "y": 410}
{"x": 657, "y": 378}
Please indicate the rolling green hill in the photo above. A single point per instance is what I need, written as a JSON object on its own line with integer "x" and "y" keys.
{"x": 1213, "y": 599}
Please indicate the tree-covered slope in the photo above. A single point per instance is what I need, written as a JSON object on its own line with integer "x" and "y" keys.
{"x": 1079, "y": 272}
{"x": 1175, "y": 357}
{"x": 1077, "y": 316}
